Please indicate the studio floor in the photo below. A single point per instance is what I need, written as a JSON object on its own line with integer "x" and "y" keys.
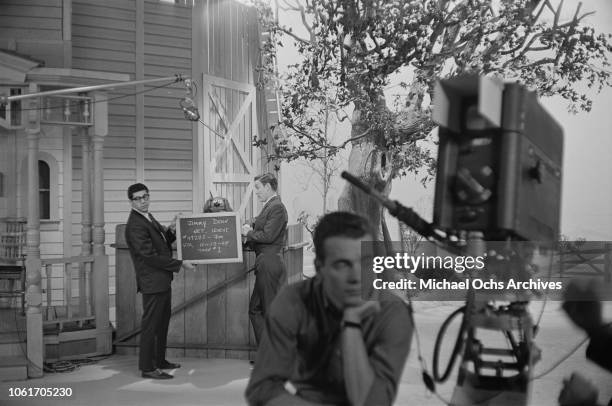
{"x": 115, "y": 380}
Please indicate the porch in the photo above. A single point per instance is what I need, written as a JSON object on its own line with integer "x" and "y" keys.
{"x": 59, "y": 305}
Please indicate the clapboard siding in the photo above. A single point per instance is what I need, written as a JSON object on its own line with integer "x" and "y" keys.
{"x": 123, "y": 153}
{"x": 169, "y": 51}
{"x": 168, "y": 144}
{"x": 177, "y": 134}
{"x": 102, "y": 55}
{"x": 29, "y": 33}
{"x": 122, "y": 132}
{"x": 154, "y": 71}
{"x": 93, "y": 64}
{"x": 115, "y": 109}
{"x": 41, "y": 23}
{"x": 163, "y": 101}
{"x": 169, "y": 164}
{"x": 86, "y": 32}
{"x": 101, "y": 44}
{"x": 53, "y": 12}
{"x": 112, "y": 141}
{"x": 119, "y": 174}
{"x": 94, "y": 10}
{"x": 176, "y": 64}
{"x": 182, "y": 25}
{"x": 164, "y": 122}
{"x": 167, "y": 175}
{"x": 159, "y": 184}
{"x": 171, "y": 112}
{"x": 31, "y": 20}
{"x": 172, "y": 32}
{"x": 37, "y": 3}
{"x": 170, "y": 93}
{"x": 107, "y": 23}
{"x": 163, "y": 40}
{"x": 167, "y": 123}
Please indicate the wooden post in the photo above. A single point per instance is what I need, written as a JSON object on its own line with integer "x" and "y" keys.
{"x": 608, "y": 262}
{"x": 86, "y": 221}
{"x": 50, "y": 314}
{"x": 99, "y": 277}
{"x": 68, "y": 289}
{"x": 35, "y": 346}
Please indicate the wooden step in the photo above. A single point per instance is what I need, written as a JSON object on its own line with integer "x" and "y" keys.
{"x": 13, "y": 368}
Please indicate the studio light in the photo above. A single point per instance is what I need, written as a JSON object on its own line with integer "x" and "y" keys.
{"x": 190, "y": 110}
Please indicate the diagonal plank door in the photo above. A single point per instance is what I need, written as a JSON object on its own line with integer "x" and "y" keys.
{"x": 230, "y": 160}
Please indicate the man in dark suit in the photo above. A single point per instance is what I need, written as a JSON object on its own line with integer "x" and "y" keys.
{"x": 151, "y": 251}
{"x": 267, "y": 236}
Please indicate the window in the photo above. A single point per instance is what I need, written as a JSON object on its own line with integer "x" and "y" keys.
{"x": 49, "y": 178}
{"x": 44, "y": 190}
{"x": 10, "y": 113}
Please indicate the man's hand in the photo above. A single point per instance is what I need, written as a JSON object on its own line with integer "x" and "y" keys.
{"x": 172, "y": 225}
{"x": 355, "y": 314}
{"x": 188, "y": 265}
{"x": 578, "y": 391}
{"x": 582, "y": 305}
{"x": 245, "y": 229}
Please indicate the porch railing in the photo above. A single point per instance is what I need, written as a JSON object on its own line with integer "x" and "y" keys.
{"x": 71, "y": 303}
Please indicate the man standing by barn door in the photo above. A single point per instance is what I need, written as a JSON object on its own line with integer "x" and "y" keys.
{"x": 151, "y": 251}
{"x": 267, "y": 236}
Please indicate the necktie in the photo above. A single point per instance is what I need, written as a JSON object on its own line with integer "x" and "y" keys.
{"x": 157, "y": 226}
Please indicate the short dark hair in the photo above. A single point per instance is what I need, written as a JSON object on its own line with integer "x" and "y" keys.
{"x": 268, "y": 178}
{"x": 136, "y": 187}
{"x": 339, "y": 223}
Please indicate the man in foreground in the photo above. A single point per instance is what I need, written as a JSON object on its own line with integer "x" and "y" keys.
{"x": 322, "y": 336}
{"x": 583, "y": 306}
{"x": 151, "y": 251}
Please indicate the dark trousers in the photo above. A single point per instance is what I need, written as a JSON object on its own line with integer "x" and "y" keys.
{"x": 156, "y": 308}
{"x": 270, "y": 276}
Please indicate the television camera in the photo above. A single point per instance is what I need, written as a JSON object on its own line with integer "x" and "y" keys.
{"x": 498, "y": 186}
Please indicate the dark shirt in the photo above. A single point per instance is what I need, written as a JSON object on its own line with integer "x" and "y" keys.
{"x": 301, "y": 344}
{"x": 600, "y": 348}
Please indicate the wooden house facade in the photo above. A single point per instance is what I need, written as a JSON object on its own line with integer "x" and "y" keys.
{"x": 67, "y": 158}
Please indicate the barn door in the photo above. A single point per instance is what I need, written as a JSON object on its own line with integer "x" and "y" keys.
{"x": 230, "y": 160}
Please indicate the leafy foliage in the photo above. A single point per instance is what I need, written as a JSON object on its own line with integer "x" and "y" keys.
{"x": 352, "y": 48}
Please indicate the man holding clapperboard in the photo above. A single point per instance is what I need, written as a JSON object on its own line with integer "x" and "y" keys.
{"x": 151, "y": 251}
{"x": 267, "y": 236}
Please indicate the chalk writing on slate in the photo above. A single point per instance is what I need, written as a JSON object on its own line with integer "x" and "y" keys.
{"x": 209, "y": 238}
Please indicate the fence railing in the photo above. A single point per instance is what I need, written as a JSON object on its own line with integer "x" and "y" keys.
{"x": 72, "y": 302}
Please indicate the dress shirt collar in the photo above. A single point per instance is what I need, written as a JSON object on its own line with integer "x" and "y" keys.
{"x": 270, "y": 198}
{"x": 144, "y": 214}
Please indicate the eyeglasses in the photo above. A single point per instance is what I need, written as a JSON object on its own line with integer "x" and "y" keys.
{"x": 139, "y": 199}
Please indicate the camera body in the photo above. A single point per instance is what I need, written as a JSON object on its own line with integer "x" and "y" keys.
{"x": 499, "y": 166}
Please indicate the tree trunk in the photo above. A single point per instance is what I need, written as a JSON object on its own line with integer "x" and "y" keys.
{"x": 371, "y": 166}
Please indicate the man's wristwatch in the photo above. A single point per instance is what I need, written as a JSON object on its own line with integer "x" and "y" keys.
{"x": 348, "y": 323}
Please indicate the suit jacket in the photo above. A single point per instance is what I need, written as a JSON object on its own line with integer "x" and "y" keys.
{"x": 151, "y": 253}
{"x": 269, "y": 233}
